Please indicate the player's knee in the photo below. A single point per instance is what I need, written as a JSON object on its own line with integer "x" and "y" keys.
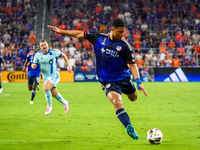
{"x": 33, "y": 86}
{"x": 117, "y": 103}
{"x": 133, "y": 97}
{"x": 54, "y": 94}
{"x": 46, "y": 88}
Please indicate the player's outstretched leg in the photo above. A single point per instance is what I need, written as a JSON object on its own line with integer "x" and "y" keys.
{"x": 48, "y": 97}
{"x": 66, "y": 107}
{"x": 131, "y": 131}
{"x": 32, "y": 96}
{"x": 63, "y": 101}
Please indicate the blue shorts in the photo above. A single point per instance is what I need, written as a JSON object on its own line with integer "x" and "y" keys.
{"x": 55, "y": 78}
{"x": 33, "y": 79}
{"x": 125, "y": 86}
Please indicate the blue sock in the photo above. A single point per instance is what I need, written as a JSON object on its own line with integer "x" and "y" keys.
{"x": 48, "y": 97}
{"x": 123, "y": 117}
{"x": 33, "y": 95}
{"x": 60, "y": 99}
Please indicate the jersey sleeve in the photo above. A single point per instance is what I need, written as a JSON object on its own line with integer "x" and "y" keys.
{"x": 56, "y": 52}
{"x": 92, "y": 38}
{"x": 128, "y": 55}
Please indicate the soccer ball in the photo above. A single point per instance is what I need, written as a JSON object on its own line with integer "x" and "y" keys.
{"x": 154, "y": 136}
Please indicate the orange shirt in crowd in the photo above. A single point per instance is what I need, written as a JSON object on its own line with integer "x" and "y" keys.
{"x": 78, "y": 25}
{"x": 171, "y": 44}
{"x": 137, "y": 37}
{"x": 86, "y": 44}
{"x": 137, "y": 44}
{"x": 197, "y": 48}
{"x": 178, "y": 37}
{"x": 63, "y": 43}
{"x": 176, "y": 62}
{"x": 32, "y": 38}
{"x": 54, "y": 21}
{"x": 98, "y": 9}
{"x": 62, "y": 26}
{"x": 78, "y": 45}
{"x": 162, "y": 47}
{"x": 140, "y": 62}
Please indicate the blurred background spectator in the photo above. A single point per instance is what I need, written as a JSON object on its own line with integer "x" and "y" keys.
{"x": 162, "y": 33}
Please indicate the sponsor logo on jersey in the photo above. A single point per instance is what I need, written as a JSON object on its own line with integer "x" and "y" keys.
{"x": 118, "y": 48}
{"x": 103, "y": 43}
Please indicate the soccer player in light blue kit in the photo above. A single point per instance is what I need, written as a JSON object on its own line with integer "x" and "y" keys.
{"x": 114, "y": 59}
{"x": 47, "y": 59}
{"x": 33, "y": 74}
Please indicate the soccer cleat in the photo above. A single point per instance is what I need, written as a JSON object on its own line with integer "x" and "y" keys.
{"x": 31, "y": 102}
{"x": 66, "y": 107}
{"x": 48, "y": 111}
{"x": 1, "y": 90}
{"x": 131, "y": 132}
{"x": 37, "y": 88}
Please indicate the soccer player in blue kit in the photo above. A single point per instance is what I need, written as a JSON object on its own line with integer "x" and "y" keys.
{"x": 33, "y": 74}
{"x": 114, "y": 58}
{"x": 1, "y": 68}
{"x": 47, "y": 59}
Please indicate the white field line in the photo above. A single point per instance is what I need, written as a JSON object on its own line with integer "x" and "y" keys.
{"x": 54, "y": 140}
{"x": 4, "y": 94}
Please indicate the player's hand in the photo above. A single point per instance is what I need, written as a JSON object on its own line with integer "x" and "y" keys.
{"x": 69, "y": 69}
{"x": 54, "y": 28}
{"x": 142, "y": 89}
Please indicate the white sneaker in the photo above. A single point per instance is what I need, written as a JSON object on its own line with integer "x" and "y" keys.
{"x": 1, "y": 90}
{"x": 31, "y": 102}
{"x": 48, "y": 111}
{"x": 66, "y": 107}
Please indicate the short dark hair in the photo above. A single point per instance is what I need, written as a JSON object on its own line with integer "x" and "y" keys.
{"x": 36, "y": 47}
{"x": 118, "y": 23}
{"x": 42, "y": 40}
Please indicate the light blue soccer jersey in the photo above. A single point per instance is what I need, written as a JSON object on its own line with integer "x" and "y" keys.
{"x": 47, "y": 61}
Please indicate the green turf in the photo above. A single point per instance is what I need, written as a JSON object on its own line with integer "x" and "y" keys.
{"x": 92, "y": 124}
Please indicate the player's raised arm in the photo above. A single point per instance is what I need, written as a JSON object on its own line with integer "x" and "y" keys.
{"x": 74, "y": 33}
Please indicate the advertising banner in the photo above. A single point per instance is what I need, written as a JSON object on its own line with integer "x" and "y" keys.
{"x": 20, "y": 76}
{"x": 187, "y": 74}
{"x": 85, "y": 76}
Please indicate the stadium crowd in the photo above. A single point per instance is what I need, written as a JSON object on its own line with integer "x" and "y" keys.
{"x": 162, "y": 33}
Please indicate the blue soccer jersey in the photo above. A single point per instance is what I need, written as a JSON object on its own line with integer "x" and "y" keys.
{"x": 32, "y": 72}
{"x": 112, "y": 57}
{"x": 1, "y": 62}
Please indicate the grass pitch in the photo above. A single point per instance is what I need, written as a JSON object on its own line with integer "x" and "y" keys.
{"x": 92, "y": 124}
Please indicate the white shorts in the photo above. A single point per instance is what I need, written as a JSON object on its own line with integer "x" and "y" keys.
{"x": 55, "y": 78}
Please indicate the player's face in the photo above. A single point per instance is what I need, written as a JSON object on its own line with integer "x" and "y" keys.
{"x": 118, "y": 32}
{"x": 44, "y": 47}
{"x": 36, "y": 48}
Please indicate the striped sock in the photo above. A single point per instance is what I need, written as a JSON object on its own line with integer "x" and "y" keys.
{"x": 123, "y": 117}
